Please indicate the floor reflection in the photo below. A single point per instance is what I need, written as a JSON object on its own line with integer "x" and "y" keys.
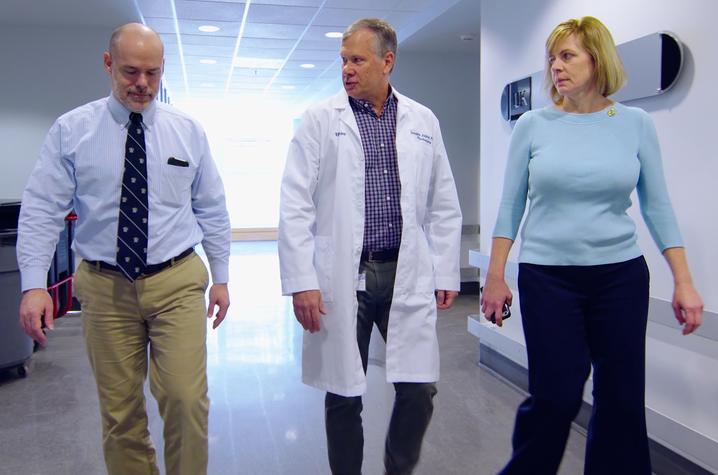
{"x": 259, "y": 405}
{"x": 259, "y": 328}
{"x": 263, "y": 420}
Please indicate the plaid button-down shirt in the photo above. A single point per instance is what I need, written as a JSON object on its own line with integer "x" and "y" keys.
{"x": 382, "y": 188}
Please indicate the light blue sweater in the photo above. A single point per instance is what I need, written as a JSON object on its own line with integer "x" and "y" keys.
{"x": 578, "y": 172}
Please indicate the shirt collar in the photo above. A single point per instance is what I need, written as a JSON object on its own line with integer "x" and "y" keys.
{"x": 367, "y": 105}
{"x": 121, "y": 114}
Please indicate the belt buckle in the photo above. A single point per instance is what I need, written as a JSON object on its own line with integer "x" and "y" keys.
{"x": 372, "y": 256}
{"x": 380, "y": 256}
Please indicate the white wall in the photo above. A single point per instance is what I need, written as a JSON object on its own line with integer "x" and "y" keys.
{"x": 45, "y": 72}
{"x": 447, "y": 83}
{"x": 513, "y": 33}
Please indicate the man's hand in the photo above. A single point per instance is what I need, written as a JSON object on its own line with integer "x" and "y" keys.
{"x": 219, "y": 296}
{"x": 308, "y": 307}
{"x": 445, "y": 298}
{"x": 35, "y": 304}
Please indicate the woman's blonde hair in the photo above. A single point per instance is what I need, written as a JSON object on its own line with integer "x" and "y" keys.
{"x": 598, "y": 42}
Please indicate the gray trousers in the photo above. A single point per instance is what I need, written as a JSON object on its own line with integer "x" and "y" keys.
{"x": 413, "y": 404}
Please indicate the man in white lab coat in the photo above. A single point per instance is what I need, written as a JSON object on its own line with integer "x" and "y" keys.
{"x": 369, "y": 233}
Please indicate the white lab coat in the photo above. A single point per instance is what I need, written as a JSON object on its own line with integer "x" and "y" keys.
{"x": 321, "y": 230}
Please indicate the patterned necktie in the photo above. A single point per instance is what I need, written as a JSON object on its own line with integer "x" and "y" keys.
{"x": 134, "y": 211}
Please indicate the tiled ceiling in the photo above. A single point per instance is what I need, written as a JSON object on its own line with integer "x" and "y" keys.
{"x": 271, "y": 38}
{"x": 269, "y": 41}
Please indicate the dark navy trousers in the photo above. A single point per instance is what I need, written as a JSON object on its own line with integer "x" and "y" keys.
{"x": 575, "y": 318}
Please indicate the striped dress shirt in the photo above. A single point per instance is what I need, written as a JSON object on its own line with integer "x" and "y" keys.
{"x": 81, "y": 167}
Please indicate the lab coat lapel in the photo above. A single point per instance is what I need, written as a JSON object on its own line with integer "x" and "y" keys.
{"x": 346, "y": 114}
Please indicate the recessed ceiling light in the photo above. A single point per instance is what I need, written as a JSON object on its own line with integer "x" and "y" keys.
{"x": 307, "y": 66}
{"x": 288, "y": 87}
{"x": 208, "y": 28}
{"x": 207, "y": 84}
{"x": 208, "y": 61}
{"x": 334, "y": 34}
{"x": 258, "y": 63}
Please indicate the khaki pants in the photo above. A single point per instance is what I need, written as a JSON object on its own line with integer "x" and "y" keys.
{"x": 164, "y": 313}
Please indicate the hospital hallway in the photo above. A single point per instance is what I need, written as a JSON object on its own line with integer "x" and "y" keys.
{"x": 263, "y": 420}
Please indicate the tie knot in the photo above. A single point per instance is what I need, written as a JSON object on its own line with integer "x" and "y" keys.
{"x": 135, "y": 118}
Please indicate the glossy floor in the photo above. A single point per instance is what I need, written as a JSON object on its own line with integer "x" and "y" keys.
{"x": 263, "y": 420}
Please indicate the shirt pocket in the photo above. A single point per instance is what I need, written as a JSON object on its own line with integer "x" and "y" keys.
{"x": 176, "y": 186}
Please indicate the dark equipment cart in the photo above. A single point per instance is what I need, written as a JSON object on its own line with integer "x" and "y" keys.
{"x": 15, "y": 346}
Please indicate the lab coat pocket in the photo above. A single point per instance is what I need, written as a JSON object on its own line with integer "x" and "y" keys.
{"x": 424, "y": 172}
{"x": 425, "y": 282}
{"x": 422, "y": 199}
{"x": 425, "y": 285}
{"x": 176, "y": 186}
{"x": 424, "y": 156}
{"x": 324, "y": 265}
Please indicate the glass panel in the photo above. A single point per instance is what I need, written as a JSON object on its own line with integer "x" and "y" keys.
{"x": 249, "y": 140}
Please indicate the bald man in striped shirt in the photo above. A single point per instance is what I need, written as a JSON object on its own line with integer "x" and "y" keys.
{"x": 140, "y": 176}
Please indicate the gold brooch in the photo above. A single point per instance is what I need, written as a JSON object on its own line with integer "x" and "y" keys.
{"x": 611, "y": 111}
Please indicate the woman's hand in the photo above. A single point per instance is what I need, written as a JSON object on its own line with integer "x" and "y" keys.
{"x": 687, "y": 306}
{"x": 495, "y": 293}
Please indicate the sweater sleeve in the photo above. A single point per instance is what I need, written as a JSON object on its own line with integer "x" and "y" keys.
{"x": 652, "y": 192}
{"x": 516, "y": 181}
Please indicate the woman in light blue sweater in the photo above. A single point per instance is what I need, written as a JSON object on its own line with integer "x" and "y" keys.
{"x": 582, "y": 278}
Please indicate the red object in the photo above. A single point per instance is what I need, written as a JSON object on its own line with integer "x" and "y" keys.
{"x": 64, "y": 285}
{"x": 55, "y": 295}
